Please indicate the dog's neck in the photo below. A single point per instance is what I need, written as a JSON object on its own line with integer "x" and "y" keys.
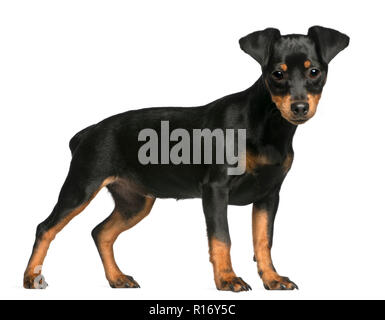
{"x": 265, "y": 123}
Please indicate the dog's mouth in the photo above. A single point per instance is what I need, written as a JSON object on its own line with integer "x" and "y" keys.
{"x": 293, "y": 115}
{"x": 298, "y": 121}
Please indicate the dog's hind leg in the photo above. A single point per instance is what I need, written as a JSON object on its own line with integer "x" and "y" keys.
{"x": 130, "y": 209}
{"x": 76, "y": 193}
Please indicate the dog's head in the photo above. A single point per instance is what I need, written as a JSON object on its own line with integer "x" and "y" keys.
{"x": 294, "y": 67}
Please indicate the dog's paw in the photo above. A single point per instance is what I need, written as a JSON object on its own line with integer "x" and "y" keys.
{"x": 124, "y": 281}
{"x": 235, "y": 284}
{"x": 276, "y": 282}
{"x": 34, "y": 282}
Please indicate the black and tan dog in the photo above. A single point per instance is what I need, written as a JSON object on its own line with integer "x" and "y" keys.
{"x": 294, "y": 71}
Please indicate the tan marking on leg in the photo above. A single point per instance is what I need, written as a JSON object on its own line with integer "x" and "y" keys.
{"x": 307, "y": 64}
{"x": 115, "y": 225}
{"x": 221, "y": 260}
{"x": 40, "y": 251}
{"x": 224, "y": 276}
{"x": 261, "y": 240}
{"x": 262, "y": 252}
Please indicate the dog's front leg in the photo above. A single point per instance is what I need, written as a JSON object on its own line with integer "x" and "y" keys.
{"x": 263, "y": 223}
{"x": 215, "y": 201}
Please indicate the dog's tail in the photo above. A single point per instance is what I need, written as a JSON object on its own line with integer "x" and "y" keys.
{"x": 77, "y": 138}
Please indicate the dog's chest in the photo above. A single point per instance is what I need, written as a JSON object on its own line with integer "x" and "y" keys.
{"x": 263, "y": 176}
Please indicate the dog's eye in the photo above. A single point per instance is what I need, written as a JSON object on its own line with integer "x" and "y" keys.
{"x": 277, "y": 75}
{"x": 314, "y": 73}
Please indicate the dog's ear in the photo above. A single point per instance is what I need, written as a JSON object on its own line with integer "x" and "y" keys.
{"x": 329, "y": 42}
{"x": 258, "y": 44}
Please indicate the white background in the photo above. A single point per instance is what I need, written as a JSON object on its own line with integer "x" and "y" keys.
{"x": 67, "y": 64}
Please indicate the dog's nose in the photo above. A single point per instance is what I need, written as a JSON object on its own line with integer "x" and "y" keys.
{"x": 300, "y": 109}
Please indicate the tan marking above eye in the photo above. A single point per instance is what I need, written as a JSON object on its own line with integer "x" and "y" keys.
{"x": 283, "y": 66}
{"x": 307, "y": 64}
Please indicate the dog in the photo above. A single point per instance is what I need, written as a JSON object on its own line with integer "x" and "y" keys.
{"x": 294, "y": 71}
